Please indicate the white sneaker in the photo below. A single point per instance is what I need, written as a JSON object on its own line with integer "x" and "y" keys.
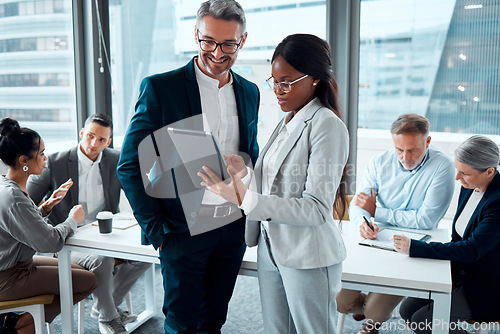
{"x": 114, "y": 326}
{"x": 126, "y": 317}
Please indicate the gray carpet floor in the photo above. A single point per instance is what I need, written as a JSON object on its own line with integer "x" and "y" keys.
{"x": 244, "y": 316}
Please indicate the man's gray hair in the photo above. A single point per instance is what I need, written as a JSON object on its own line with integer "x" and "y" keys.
{"x": 228, "y": 10}
{"x": 479, "y": 152}
{"x": 410, "y": 123}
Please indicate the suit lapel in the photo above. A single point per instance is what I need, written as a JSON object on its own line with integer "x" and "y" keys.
{"x": 465, "y": 194}
{"x": 292, "y": 139}
{"x": 464, "y": 197}
{"x": 193, "y": 93}
{"x": 491, "y": 188}
{"x": 473, "y": 218}
{"x": 288, "y": 144}
{"x": 73, "y": 174}
{"x": 239, "y": 93}
{"x": 103, "y": 168}
{"x": 258, "y": 164}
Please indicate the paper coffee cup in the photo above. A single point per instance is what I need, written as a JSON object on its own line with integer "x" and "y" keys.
{"x": 105, "y": 220}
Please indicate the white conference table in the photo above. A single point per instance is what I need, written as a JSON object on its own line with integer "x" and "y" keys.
{"x": 365, "y": 268}
{"x": 378, "y": 270}
{"x": 123, "y": 244}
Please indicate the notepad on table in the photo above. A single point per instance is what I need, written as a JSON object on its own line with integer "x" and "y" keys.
{"x": 384, "y": 238}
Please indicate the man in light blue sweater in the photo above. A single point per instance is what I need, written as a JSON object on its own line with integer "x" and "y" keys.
{"x": 408, "y": 187}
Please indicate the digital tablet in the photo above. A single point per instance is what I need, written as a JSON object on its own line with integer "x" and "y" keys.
{"x": 198, "y": 149}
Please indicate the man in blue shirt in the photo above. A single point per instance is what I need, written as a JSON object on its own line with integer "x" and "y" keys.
{"x": 409, "y": 187}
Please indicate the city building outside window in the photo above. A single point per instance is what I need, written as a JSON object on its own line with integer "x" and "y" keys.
{"x": 37, "y": 85}
{"x": 434, "y": 58}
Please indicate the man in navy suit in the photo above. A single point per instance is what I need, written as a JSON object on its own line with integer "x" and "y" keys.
{"x": 199, "y": 271}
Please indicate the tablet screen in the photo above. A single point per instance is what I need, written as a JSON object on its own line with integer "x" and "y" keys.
{"x": 198, "y": 149}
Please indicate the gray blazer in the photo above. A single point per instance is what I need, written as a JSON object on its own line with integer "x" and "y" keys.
{"x": 299, "y": 210}
{"x": 64, "y": 165}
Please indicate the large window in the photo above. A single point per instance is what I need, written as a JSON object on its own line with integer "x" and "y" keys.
{"x": 34, "y": 44}
{"x": 34, "y": 80}
{"x": 36, "y": 7}
{"x": 156, "y": 36}
{"x": 435, "y": 58}
{"x": 36, "y": 67}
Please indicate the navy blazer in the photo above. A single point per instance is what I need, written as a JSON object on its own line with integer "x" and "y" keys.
{"x": 64, "y": 165}
{"x": 164, "y": 99}
{"x": 475, "y": 258}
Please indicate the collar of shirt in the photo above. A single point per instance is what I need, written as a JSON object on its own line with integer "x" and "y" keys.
{"x": 299, "y": 117}
{"x": 84, "y": 161}
{"x": 208, "y": 82}
{"x": 414, "y": 170}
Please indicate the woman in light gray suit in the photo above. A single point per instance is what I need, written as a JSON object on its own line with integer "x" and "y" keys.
{"x": 299, "y": 177}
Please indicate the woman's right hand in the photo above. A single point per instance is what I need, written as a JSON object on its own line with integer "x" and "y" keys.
{"x": 77, "y": 213}
{"x": 57, "y": 196}
{"x": 237, "y": 163}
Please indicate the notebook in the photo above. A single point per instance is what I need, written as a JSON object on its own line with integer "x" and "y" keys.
{"x": 384, "y": 238}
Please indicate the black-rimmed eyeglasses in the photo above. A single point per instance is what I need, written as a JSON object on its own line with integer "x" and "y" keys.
{"x": 284, "y": 86}
{"x": 209, "y": 45}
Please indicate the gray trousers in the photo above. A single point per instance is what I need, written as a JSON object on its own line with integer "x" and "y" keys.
{"x": 113, "y": 283}
{"x": 296, "y": 301}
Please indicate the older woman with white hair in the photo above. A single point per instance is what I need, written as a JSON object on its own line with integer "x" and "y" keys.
{"x": 474, "y": 250}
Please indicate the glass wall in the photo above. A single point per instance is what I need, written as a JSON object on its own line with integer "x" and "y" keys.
{"x": 435, "y": 58}
{"x": 438, "y": 58}
{"x": 155, "y": 36}
{"x": 466, "y": 93}
{"x": 36, "y": 67}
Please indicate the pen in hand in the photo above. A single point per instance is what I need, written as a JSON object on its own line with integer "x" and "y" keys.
{"x": 368, "y": 223}
{"x": 371, "y": 228}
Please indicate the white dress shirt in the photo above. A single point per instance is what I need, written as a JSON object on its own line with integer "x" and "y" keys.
{"x": 269, "y": 166}
{"x": 220, "y": 117}
{"x": 90, "y": 188}
{"x": 466, "y": 214}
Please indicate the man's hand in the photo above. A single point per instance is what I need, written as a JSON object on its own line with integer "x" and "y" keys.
{"x": 366, "y": 202}
{"x": 57, "y": 196}
{"x": 366, "y": 232}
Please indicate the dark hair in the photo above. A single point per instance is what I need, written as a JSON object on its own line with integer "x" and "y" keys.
{"x": 16, "y": 141}
{"x": 312, "y": 55}
{"x": 101, "y": 119}
{"x": 410, "y": 123}
{"x": 228, "y": 10}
